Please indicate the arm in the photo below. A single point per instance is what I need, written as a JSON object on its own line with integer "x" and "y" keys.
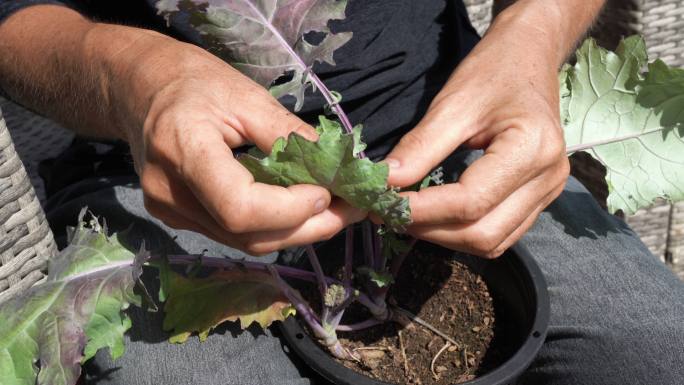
{"x": 182, "y": 110}
{"x": 503, "y": 98}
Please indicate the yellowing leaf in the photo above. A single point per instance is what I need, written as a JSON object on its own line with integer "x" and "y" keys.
{"x": 198, "y": 305}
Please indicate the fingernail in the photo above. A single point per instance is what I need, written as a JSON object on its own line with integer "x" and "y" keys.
{"x": 319, "y": 206}
{"x": 393, "y": 163}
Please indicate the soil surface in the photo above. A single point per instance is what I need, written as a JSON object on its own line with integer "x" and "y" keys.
{"x": 449, "y": 296}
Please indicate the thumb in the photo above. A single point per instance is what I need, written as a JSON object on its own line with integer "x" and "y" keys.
{"x": 418, "y": 152}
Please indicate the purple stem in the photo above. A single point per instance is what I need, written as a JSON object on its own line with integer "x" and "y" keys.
{"x": 360, "y": 325}
{"x": 302, "y": 307}
{"x": 287, "y": 271}
{"x": 348, "y": 256}
{"x": 397, "y": 261}
{"x": 379, "y": 311}
{"x": 368, "y": 244}
{"x": 318, "y": 83}
{"x": 318, "y": 270}
{"x": 290, "y": 272}
{"x": 351, "y": 297}
{"x": 377, "y": 249}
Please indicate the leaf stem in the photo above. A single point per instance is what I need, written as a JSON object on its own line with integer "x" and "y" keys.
{"x": 318, "y": 270}
{"x": 360, "y": 325}
{"x": 377, "y": 250}
{"x": 368, "y": 244}
{"x": 585, "y": 146}
{"x": 300, "y": 304}
{"x": 286, "y": 271}
{"x": 398, "y": 260}
{"x": 329, "y": 98}
{"x": 348, "y": 256}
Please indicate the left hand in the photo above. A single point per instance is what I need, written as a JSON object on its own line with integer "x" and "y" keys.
{"x": 503, "y": 98}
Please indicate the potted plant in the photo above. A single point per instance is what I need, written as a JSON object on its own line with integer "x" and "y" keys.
{"x": 372, "y": 286}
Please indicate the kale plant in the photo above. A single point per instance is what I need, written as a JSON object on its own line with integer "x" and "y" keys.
{"x": 628, "y": 119}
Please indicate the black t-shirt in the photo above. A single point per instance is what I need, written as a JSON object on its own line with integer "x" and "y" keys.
{"x": 400, "y": 55}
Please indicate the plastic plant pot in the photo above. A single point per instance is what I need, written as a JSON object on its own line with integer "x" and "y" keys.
{"x": 515, "y": 282}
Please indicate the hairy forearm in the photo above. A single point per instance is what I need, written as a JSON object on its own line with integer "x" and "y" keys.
{"x": 75, "y": 71}
{"x": 555, "y": 26}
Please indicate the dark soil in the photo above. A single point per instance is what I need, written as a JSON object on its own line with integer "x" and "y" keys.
{"x": 449, "y": 296}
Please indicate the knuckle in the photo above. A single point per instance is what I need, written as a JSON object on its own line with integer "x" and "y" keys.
{"x": 487, "y": 242}
{"x": 495, "y": 253}
{"x": 152, "y": 191}
{"x": 328, "y": 234}
{"x": 301, "y": 128}
{"x": 414, "y": 139}
{"x": 152, "y": 207}
{"x": 477, "y": 209}
{"x": 232, "y": 222}
{"x": 257, "y": 248}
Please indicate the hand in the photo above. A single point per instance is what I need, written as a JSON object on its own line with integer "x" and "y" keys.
{"x": 199, "y": 108}
{"x": 504, "y": 99}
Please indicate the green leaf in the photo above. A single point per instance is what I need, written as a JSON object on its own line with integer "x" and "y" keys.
{"x": 198, "y": 305}
{"x": 266, "y": 39}
{"x": 330, "y": 162}
{"x": 78, "y": 310}
{"x": 379, "y": 278}
{"x": 630, "y": 121}
{"x": 394, "y": 244}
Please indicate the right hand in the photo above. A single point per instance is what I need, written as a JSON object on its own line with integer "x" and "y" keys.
{"x": 195, "y": 109}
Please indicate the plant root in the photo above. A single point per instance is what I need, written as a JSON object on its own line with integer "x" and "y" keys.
{"x": 434, "y": 359}
{"x": 421, "y": 322}
{"x": 403, "y": 354}
{"x": 339, "y": 351}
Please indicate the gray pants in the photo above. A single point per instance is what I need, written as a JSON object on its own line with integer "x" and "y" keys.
{"x": 617, "y": 313}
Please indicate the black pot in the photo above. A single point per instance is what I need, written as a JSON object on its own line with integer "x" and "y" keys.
{"x": 516, "y": 284}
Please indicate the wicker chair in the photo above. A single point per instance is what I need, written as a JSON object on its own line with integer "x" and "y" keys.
{"x": 26, "y": 242}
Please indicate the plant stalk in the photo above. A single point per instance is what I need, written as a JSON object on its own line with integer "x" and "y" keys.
{"x": 368, "y": 244}
{"x": 318, "y": 270}
{"x": 348, "y": 256}
{"x": 300, "y": 304}
{"x": 286, "y": 271}
{"x": 369, "y": 323}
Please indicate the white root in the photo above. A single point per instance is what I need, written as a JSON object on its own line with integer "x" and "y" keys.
{"x": 434, "y": 359}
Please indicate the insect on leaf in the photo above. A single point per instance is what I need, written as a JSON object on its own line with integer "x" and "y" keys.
{"x": 266, "y": 39}
{"x": 630, "y": 121}
{"x": 78, "y": 310}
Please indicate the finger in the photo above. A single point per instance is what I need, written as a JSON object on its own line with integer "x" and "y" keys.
{"x": 265, "y": 120}
{"x": 486, "y": 236}
{"x": 419, "y": 151}
{"x": 318, "y": 228}
{"x": 502, "y": 170}
{"x": 528, "y": 222}
{"x": 167, "y": 197}
{"x": 238, "y": 204}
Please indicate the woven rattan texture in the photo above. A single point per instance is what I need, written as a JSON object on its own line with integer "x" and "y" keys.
{"x": 661, "y": 22}
{"x": 35, "y": 139}
{"x": 26, "y": 241}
